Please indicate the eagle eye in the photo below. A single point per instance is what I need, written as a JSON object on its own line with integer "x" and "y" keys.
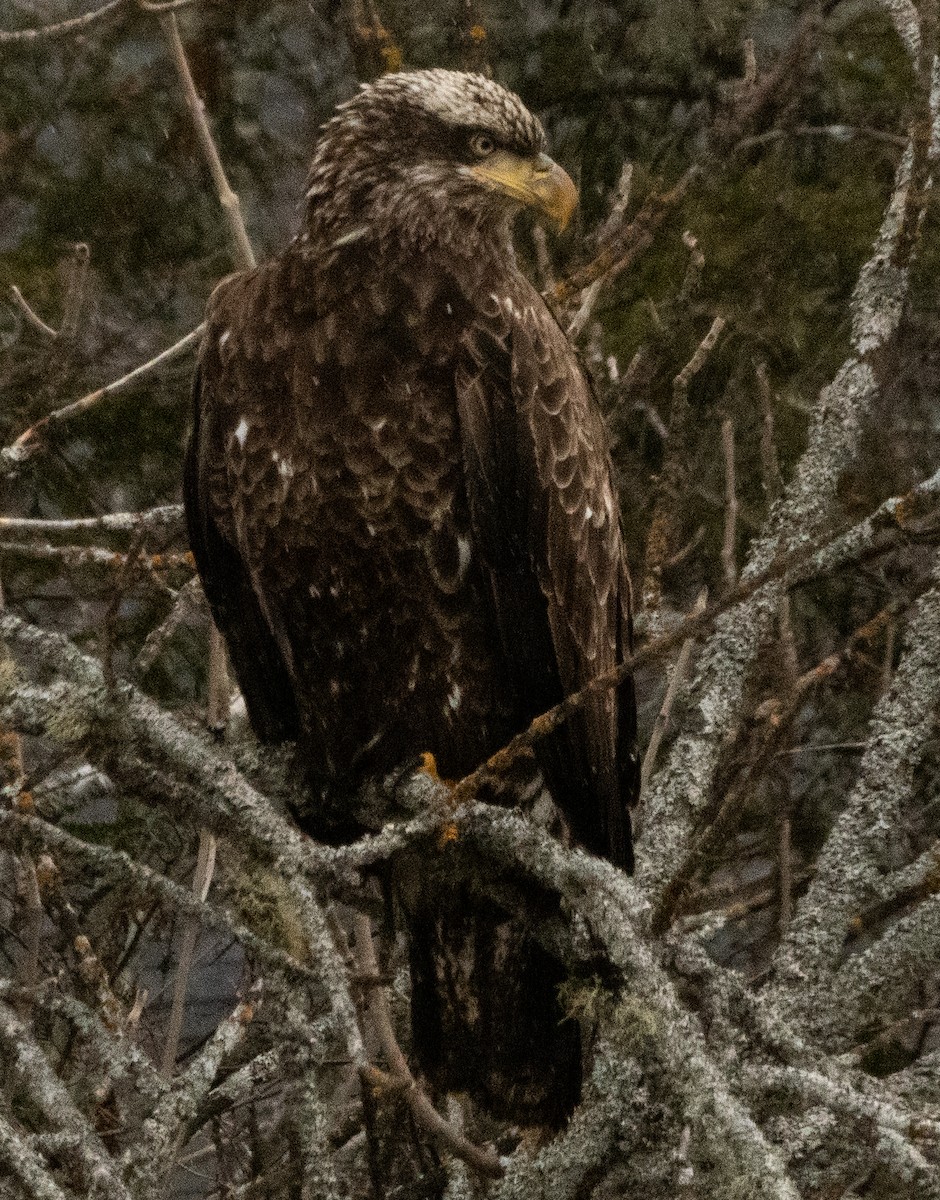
{"x": 482, "y": 144}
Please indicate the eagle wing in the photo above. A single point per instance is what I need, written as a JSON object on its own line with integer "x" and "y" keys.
{"x": 546, "y": 524}
{"x": 233, "y": 600}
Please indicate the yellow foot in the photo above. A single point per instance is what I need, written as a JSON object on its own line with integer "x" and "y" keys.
{"x": 429, "y": 767}
{"x": 448, "y": 832}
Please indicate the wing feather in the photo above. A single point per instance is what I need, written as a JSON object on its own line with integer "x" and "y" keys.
{"x": 546, "y": 522}
{"x": 256, "y": 659}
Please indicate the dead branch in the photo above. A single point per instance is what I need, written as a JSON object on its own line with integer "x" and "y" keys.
{"x": 31, "y": 316}
{"x": 26, "y": 1061}
{"x": 190, "y": 603}
{"x": 661, "y": 525}
{"x": 167, "y": 516}
{"x": 231, "y": 208}
{"x": 60, "y": 28}
{"x": 676, "y": 679}
{"x": 95, "y": 556}
{"x": 22, "y": 829}
{"x": 29, "y": 968}
{"x": 164, "y": 6}
{"x": 728, "y": 562}
{"x": 846, "y": 880}
{"x": 625, "y": 248}
{"x": 612, "y": 223}
{"x": 202, "y": 881}
{"x": 14, "y": 455}
{"x": 375, "y": 1003}
{"x": 779, "y": 719}
{"x": 75, "y": 290}
{"x": 683, "y": 786}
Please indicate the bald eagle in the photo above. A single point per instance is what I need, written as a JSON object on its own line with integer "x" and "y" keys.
{"x": 401, "y": 504}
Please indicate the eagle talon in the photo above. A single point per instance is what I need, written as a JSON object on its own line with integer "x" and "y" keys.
{"x": 429, "y": 767}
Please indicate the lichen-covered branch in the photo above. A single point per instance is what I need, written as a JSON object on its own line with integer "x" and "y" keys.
{"x": 853, "y": 863}
{"x": 681, "y": 789}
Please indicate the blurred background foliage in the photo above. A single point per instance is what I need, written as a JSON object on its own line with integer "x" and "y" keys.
{"x": 96, "y": 147}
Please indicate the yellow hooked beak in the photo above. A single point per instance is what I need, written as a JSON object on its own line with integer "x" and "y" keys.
{"x": 536, "y": 182}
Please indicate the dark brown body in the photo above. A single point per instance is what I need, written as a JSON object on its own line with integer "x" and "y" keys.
{"x": 400, "y": 502}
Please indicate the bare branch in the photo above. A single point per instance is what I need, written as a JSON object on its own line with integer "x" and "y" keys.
{"x": 683, "y": 786}
{"x": 21, "y": 828}
{"x": 29, "y": 968}
{"x": 164, "y": 6}
{"x": 217, "y": 709}
{"x": 96, "y": 556}
{"x": 850, "y": 871}
{"x": 26, "y": 1060}
{"x": 31, "y": 316}
{"x": 25, "y": 1164}
{"x": 728, "y": 561}
{"x": 676, "y": 679}
{"x": 202, "y": 880}
{"x": 190, "y": 603}
{"x": 626, "y": 247}
{"x": 167, "y": 516}
{"x": 14, "y": 455}
{"x": 163, "y": 1133}
{"x": 482, "y": 1159}
{"x": 61, "y": 27}
{"x": 608, "y": 229}
{"x": 661, "y": 525}
{"x": 231, "y": 207}
{"x": 76, "y": 288}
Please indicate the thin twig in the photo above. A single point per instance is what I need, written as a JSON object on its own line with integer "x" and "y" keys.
{"x": 30, "y": 314}
{"x": 887, "y": 663}
{"x": 190, "y": 602}
{"x": 693, "y": 273}
{"x": 75, "y": 290}
{"x": 217, "y": 708}
{"x": 97, "y": 556}
{"x": 621, "y": 200}
{"x": 686, "y": 551}
{"x": 166, "y": 516}
{"x": 482, "y": 1159}
{"x": 29, "y": 441}
{"x": 840, "y": 133}
{"x": 202, "y": 880}
{"x": 60, "y": 27}
{"x": 728, "y": 560}
{"x": 231, "y": 207}
{"x": 164, "y": 6}
{"x": 29, "y": 967}
{"x": 824, "y": 748}
{"x": 661, "y": 525}
{"x": 543, "y": 261}
{"x": 610, "y": 227}
{"x": 626, "y": 247}
{"x": 676, "y": 678}
{"x": 773, "y": 488}
{"x": 785, "y": 872}
{"x": 770, "y": 464}
{"x": 699, "y": 358}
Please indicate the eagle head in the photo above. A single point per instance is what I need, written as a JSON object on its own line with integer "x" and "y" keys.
{"x": 433, "y": 156}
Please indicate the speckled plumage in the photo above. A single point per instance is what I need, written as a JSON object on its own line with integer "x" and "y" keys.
{"x": 401, "y": 503}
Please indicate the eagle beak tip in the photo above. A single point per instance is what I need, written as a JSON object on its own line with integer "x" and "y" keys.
{"x": 555, "y": 191}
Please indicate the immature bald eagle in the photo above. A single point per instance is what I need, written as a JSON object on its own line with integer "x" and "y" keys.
{"x": 401, "y": 504}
